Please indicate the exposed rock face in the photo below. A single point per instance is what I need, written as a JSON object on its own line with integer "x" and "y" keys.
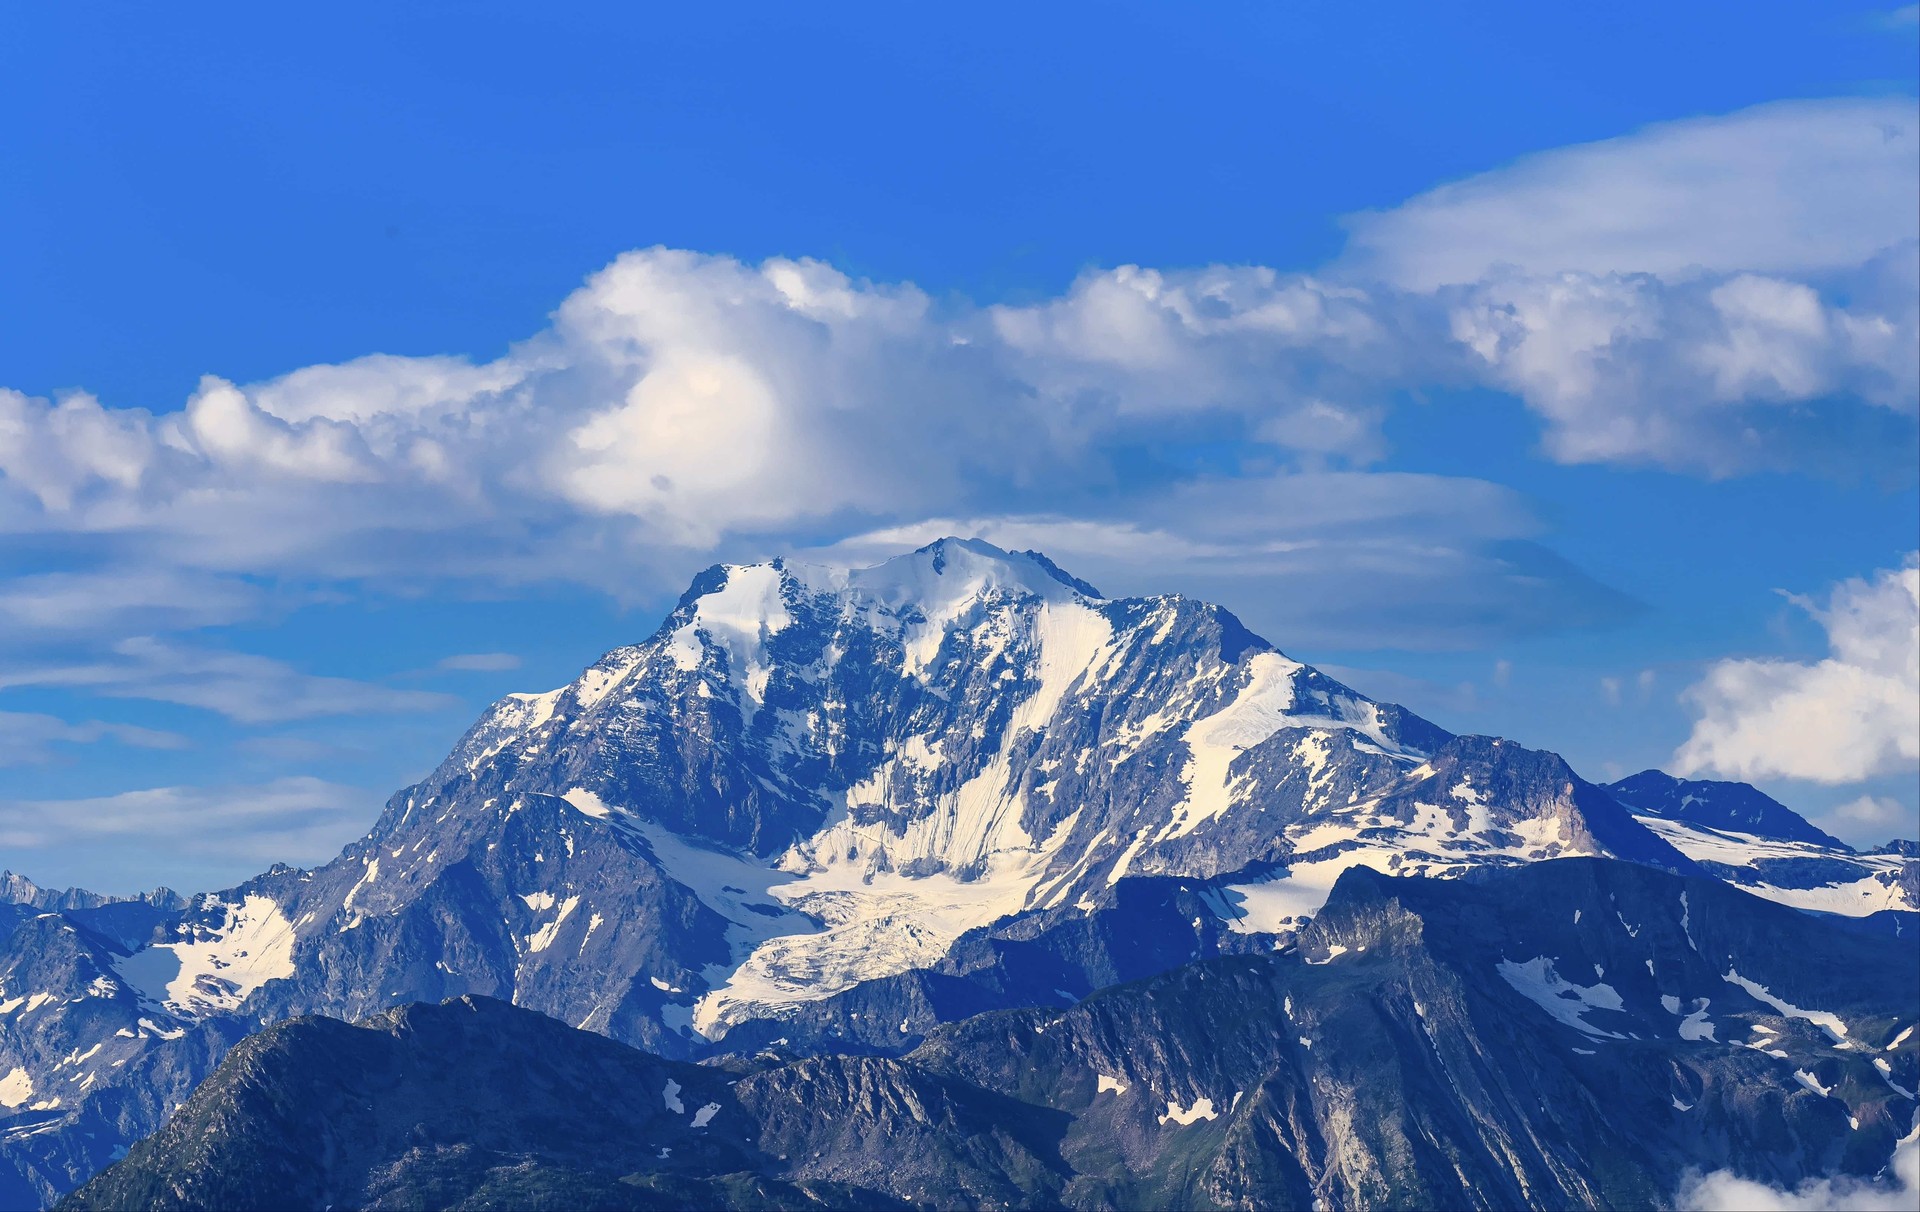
{"x": 467, "y": 1103}
{"x": 1571, "y": 1033}
{"x": 822, "y": 810}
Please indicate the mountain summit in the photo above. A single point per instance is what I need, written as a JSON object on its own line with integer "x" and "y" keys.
{"x": 854, "y": 768}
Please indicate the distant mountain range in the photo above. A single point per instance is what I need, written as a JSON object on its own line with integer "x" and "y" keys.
{"x": 833, "y": 824}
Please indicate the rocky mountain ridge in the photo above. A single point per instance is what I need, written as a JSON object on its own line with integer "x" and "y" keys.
{"x": 1572, "y": 1033}
{"x": 827, "y": 810}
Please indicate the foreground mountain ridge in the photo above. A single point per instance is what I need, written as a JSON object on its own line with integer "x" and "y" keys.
{"x": 1355, "y": 1071}
{"x": 824, "y": 810}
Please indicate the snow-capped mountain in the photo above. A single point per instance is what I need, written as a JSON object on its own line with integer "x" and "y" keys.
{"x": 819, "y": 808}
{"x": 1727, "y": 807}
{"x": 813, "y": 778}
{"x": 1747, "y": 837}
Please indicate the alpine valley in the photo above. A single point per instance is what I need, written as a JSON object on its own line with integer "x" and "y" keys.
{"x": 950, "y": 882}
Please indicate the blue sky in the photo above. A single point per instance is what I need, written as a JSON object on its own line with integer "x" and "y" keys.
{"x": 1549, "y": 370}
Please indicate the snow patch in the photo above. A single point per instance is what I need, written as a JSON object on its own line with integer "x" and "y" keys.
{"x": 1695, "y": 1026}
{"x": 1202, "y": 1108}
{"x": 1812, "y": 1083}
{"x": 587, "y": 803}
{"x": 1260, "y": 709}
{"x": 543, "y": 938}
{"x": 16, "y": 1087}
{"x": 1851, "y": 898}
{"x": 1830, "y": 1023}
{"x": 1538, "y": 982}
{"x": 217, "y": 969}
{"x": 1886, "y": 1075}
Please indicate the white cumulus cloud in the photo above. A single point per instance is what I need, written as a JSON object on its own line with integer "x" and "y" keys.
{"x": 1851, "y": 716}
{"x": 1714, "y": 373}
{"x": 1717, "y": 294}
{"x": 1714, "y": 295}
{"x": 678, "y": 399}
{"x": 1871, "y": 811}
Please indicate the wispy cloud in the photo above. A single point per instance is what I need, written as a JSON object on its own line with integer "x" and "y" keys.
{"x": 479, "y": 662}
{"x": 216, "y": 833}
{"x": 1438, "y": 702}
{"x": 1365, "y": 561}
{"x": 27, "y": 737}
{"x": 244, "y": 687}
{"x": 1793, "y": 187}
{"x": 119, "y": 599}
{"x": 1903, "y": 20}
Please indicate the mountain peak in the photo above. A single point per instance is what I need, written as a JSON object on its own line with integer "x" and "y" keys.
{"x": 1719, "y": 805}
{"x": 938, "y": 582}
{"x": 954, "y": 567}
{"x": 971, "y": 552}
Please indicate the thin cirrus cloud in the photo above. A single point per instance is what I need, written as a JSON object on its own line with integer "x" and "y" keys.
{"x": 243, "y": 687}
{"x": 1350, "y": 549}
{"x": 1850, "y": 716}
{"x": 1902, "y": 20}
{"x": 116, "y": 599}
{"x": 217, "y": 834}
{"x": 680, "y": 405}
{"x": 1792, "y": 187}
{"x": 478, "y": 662}
{"x": 28, "y": 737}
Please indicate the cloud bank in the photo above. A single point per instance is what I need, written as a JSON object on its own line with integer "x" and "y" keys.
{"x": 1893, "y": 1191}
{"x": 1697, "y": 295}
{"x": 1714, "y": 295}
